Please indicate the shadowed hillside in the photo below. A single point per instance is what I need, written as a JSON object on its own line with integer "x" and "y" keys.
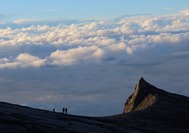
{"x": 148, "y": 109}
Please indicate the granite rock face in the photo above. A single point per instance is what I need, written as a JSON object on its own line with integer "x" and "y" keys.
{"x": 143, "y": 96}
{"x": 147, "y": 110}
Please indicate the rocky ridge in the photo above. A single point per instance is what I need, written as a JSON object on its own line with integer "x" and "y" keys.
{"x": 143, "y": 96}
{"x": 147, "y": 110}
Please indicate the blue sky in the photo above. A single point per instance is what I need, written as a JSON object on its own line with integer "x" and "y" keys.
{"x": 88, "y": 55}
{"x": 86, "y": 9}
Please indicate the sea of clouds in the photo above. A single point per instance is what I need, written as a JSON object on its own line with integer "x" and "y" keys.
{"x": 92, "y": 66}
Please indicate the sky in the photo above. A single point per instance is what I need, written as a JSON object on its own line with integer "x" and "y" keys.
{"x": 89, "y": 55}
{"x": 85, "y": 9}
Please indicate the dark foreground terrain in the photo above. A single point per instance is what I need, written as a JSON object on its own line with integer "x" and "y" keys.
{"x": 147, "y": 110}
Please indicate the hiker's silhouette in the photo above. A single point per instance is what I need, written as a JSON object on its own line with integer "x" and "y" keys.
{"x": 66, "y": 110}
{"x": 63, "y": 110}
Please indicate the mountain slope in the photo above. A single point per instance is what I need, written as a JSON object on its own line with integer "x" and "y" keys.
{"x": 148, "y": 109}
{"x": 157, "y": 108}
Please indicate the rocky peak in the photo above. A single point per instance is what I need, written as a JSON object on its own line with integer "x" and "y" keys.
{"x": 143, "y": 96}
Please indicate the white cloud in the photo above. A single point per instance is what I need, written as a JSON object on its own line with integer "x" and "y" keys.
{"x": 22, "y": 60}
{"x": 29, "y": 60}
{"x": 77, "y": 55}
{"x": 9, "y": 65}
{"x": 24, "y": 20}
{"x": 185, "y": 12}
{"x": 4, "y": 60}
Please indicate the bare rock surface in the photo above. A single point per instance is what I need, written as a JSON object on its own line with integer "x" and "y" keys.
{"x": 147, "y": 110}
{"x": 143, "y": 96}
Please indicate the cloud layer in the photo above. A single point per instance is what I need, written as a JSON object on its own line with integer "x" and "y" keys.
{"x": 97, "y": 41}
{"x": 92, "y": 66}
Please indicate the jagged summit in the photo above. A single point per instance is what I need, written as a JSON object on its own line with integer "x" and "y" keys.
{"x": 143, "y": 96}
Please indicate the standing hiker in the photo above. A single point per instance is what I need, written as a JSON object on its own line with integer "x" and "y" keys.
{"x": 63, "y": 110}
{"x": 66, "y": 110}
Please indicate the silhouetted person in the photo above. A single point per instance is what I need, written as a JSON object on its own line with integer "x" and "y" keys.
{"x": 63, "y": 110}
{"x": 54, "y": 110}
{"x": 66, "y": 110}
